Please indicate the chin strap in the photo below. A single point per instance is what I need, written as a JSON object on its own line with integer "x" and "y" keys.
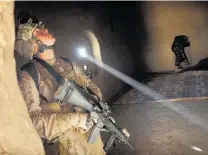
{"x": 42, "y": 47}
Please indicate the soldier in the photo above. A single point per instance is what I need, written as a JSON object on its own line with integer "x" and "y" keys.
{"x": 178, "y": 45}
{"x": 59, "y": 124}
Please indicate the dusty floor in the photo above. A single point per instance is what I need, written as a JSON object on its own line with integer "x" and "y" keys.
{"x": 157, "y": 130}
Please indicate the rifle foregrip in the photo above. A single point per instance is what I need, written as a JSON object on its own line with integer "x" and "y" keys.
{"x": 95, "y": 133}
{"x": 109, "y": 143}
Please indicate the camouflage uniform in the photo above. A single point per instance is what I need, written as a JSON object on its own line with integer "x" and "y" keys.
{"x": 56, "y": 124}
{"x": 178, "y": 45}
{"x": 52, "y": 125}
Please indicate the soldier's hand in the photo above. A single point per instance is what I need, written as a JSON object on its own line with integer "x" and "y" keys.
{"x": 89, "y": 122}
{"x": 94, "y": 117}
{"x": 85, "y": 122}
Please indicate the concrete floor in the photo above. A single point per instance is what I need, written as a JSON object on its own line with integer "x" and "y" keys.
{"x": 157, "y": 130}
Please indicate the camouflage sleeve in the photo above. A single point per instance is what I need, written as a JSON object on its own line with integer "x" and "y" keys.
{"x": 48, "y": 125}
{"x": 83, "y": 80}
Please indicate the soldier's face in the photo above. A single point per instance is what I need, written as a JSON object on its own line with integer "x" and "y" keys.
{"x": 44, "y": 36}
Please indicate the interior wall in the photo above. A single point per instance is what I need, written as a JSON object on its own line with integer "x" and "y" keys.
{"x": 66, "y": 21}
{"x": 17, "y": 133}
{"x": 128, "y": 19}
{"x": 165, "y": 20}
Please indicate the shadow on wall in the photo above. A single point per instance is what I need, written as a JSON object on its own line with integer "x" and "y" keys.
{"x": 129, "y": 23}
{"x": 67, "y": 20}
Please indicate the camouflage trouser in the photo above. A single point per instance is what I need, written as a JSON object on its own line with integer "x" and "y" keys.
{"x": 180, "y": 56}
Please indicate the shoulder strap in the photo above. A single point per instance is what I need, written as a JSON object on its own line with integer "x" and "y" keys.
{"x": 59, "y": 79}
{"x": 32, "y": 71}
